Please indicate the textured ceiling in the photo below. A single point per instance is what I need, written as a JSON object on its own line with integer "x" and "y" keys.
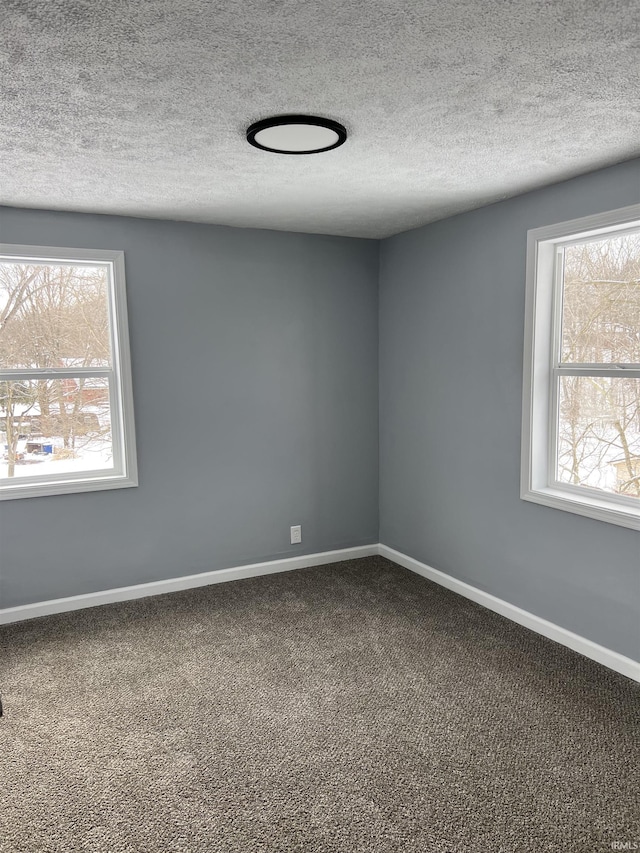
{"x": 139, "y": 106}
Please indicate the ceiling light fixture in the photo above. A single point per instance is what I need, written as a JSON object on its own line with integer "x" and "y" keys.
{"x": 296, "y": 134}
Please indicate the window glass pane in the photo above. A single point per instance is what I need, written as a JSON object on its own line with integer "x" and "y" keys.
{"x": 599, "y": 433}
{"x": 54, "y": 426}
{"x": 601, "y": 304}
{"x": 53, "y": 316}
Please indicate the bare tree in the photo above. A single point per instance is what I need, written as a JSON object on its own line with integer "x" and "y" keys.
{"x": 599, "y": 417}
{"x": 16, "y": 399}
{"x": 52, "y": 317}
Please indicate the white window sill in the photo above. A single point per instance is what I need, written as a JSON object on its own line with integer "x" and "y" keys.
{"x": 598, "y": 508}
{"x": 65, "y": 487}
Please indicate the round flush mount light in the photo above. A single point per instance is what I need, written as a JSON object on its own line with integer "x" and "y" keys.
{"x": 296, "y": 134}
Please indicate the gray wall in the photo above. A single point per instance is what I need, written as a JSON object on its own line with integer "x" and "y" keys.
{"x": 451, "y": 349}
{"x": 256, "y": 400}
{"x": 263, "y": 347}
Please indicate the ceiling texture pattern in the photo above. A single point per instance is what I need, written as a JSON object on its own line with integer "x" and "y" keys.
{"x": 140, "y": 107}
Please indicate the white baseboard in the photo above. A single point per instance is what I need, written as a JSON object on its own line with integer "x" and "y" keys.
{"x": 142, "y": 590}
{"x": 588, "y": 648}
{"x": 612, "y": 660}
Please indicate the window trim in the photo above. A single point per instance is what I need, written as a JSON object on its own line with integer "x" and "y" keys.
{"x": 542, "y": 321}
{"x": 125, "y": 474}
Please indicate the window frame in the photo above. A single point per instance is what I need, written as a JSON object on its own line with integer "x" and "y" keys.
{"x": 542, "y": 340}
{"x": 124, "y": 473}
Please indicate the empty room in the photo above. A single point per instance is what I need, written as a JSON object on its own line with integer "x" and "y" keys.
{"x": 319, "y": 426}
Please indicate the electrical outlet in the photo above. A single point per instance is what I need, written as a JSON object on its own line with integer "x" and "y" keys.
{"x": 296, "y": 534}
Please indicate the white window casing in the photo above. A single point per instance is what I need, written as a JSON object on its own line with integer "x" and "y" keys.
{"x": 543, "y": 367}
{"x": 123, "y": 471}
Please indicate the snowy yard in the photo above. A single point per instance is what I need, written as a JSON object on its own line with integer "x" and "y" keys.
{"x": 95, "y": 455}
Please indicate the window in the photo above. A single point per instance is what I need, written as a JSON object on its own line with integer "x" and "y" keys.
{"x": 66, "y": 407}
{"x": 581, "y": 405}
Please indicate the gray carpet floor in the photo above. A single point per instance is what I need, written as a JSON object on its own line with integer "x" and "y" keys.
{"x": 351, "y": 707}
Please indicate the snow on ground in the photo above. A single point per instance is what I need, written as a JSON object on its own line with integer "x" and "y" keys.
{"x": 98, "y": 456}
